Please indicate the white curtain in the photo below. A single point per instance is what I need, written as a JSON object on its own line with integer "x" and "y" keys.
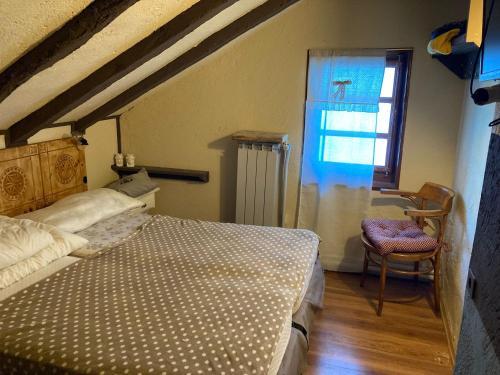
{"x": 339, "y": 143}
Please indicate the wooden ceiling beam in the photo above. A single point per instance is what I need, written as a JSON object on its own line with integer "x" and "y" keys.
{"x": 119, "y": 67}
{"x": 204, "y": 49}
{"x": 71, "y": 36}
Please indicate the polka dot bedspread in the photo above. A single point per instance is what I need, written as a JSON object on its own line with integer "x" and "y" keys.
{"x": 180, "y": 297}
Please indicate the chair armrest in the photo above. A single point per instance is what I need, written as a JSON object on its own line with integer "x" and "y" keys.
{"x": 401, "y": 193}
{"x": 425, "y": 213}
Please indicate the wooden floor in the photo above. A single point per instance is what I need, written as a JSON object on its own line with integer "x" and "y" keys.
{"x": 349, "y": 338}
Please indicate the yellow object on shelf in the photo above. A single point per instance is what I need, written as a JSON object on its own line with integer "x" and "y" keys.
{"x": 442, "y": 44}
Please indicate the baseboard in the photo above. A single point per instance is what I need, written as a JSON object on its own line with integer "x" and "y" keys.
{"x": 446, "y": 323}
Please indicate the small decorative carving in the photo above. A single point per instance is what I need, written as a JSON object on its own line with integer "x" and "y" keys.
{"x": 13, "y": 183}
{"x": 65, "y": 168}
{"x": 29, "y": 150}
{"x": 42, "y": 147}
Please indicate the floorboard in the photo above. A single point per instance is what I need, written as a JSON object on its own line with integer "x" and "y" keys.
{"x": 349, "y": 338}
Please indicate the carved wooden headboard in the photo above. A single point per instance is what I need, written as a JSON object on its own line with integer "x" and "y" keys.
{"x": 34, "y": 176}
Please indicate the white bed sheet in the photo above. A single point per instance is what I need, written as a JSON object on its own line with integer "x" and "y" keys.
{"x": 111, "y": 232}
{"x": 37, "y": 276}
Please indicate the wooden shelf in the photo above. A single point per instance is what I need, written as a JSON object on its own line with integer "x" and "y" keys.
{"x": 168, "y": 173}
{"x": 250, "y": 136}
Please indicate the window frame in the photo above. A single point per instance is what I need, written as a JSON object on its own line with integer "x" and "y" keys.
{"x": 388, "y": 176}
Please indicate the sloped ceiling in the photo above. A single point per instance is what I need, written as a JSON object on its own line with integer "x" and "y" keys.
{"x": 24, "y": 23}
{"x": 215, "y": 24}
{"x": 131, "y": 26}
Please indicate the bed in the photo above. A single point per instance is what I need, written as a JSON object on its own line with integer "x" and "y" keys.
{"x": 156, "y": 294}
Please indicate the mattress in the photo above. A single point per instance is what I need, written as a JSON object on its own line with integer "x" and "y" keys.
{"x": 111, "y": 232}
{"x": 142, "y": 267}
{"x": 291, "y": 354}
{"x": 290, "y": 357}
{"x": 305, "y": 284}
{"x": 294, "y": 360}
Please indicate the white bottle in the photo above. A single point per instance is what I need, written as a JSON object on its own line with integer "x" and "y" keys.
{"x": 130, "y": 158}
{"x": 119, "y": 160}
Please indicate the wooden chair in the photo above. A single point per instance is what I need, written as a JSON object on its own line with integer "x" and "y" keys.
{"x": 441, "y": 199}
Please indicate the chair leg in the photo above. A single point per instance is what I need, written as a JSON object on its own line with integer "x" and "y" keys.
{"x": 365, "y": 270}
{"x": 383, "y": 276}
{"x": 416, "y": 267}
{"x": 437, "y": 286}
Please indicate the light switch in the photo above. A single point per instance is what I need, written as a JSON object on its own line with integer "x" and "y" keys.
{"x": 471, "y": 284}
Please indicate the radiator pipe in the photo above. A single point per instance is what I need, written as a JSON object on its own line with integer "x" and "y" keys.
{"x": 284, "y": 178}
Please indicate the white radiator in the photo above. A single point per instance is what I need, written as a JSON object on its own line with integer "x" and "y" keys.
{"x": 260, "y": 183}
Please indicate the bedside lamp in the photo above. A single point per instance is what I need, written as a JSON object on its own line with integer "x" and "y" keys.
{"x": 80, "y": 140}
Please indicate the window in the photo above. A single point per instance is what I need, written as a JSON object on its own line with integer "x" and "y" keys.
{"x": 338, "y": 129}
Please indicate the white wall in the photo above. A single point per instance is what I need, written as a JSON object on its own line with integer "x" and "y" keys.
{"x": 472, "y": 150}
{"x": 51, "y": 133}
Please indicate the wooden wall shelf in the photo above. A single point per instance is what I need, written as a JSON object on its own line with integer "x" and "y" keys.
{"x": 168, "y": 173}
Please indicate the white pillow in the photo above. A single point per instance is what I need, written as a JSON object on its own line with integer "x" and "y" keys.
{"x": 20, "y": 239}
{"x": 64, "y": 243}
{"x": 79, "y": 211}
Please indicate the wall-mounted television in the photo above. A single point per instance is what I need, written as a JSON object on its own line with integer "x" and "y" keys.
{"x": 490, "y": 59}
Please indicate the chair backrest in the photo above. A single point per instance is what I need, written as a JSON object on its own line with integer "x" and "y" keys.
{"x": 442, "y": 197}
{"x": 437, "y": 194}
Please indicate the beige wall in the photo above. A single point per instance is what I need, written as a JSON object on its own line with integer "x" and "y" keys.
{"x": 98, "y": 155}
{"x": 258, "y": 83}
{"x": 472, "y": 151}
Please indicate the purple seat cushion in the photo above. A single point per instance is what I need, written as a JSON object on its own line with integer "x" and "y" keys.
{"x": 400, "y": 236}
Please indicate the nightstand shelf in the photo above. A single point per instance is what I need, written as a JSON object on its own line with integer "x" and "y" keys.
{"x": 167, "y": 173}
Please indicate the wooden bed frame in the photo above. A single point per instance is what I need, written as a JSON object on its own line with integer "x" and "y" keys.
{"x": 36, "y": 175}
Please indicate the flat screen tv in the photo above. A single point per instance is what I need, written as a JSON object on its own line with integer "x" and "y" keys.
{"x": 490, "y": 61}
